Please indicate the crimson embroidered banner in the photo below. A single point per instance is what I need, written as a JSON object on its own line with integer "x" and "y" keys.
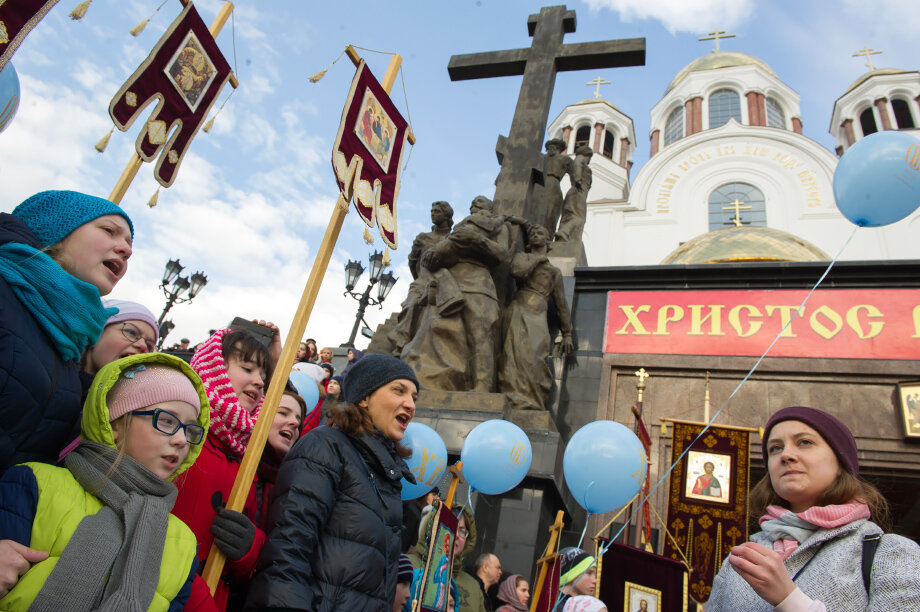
{"x": 367, "y": 156}
{"x": 17, "y": 18}
{"x": 707, "y": 499}
{"x": 627, "y": 577}
{"x": 184, "y": 74}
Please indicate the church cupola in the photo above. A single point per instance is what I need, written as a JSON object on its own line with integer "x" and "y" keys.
{"x": 610, "y": 134}
{"x": 720, "y": 87}
{"x": 881, "y": 99}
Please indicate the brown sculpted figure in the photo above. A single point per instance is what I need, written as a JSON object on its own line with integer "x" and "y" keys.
{"x": 524, "y": 376}
{"x": 454, "y": 347}
{"x": 555, "y": 166}
{"x": 575, "y": 206}
{"x": 442, "y": 218}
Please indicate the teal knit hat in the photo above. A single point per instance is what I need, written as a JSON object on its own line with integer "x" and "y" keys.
{"x": 52, "y": 215}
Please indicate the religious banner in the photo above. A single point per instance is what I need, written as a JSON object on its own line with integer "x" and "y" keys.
{"x": 184, "y": 74}
{"x": 367, "y": 156}
{"x": 707, "y": 499}
{"x": 435, "y": 583}
{"x": 644, "y": 512}
{"x": 633, "y": 580}
{"x": 836, "y": 323}
{"x": 17, "y": 18}
{"x": 546, "y": 598}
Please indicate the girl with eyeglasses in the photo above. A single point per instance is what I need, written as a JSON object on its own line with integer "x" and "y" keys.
{"x": 131, "y": 331}
{"x": 98, "y": 534}
{"x": 60, "y": 251}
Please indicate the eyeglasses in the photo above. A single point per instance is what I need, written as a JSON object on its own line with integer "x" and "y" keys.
{"x": 168, "y": 423}
{"x": 463, "y": 533}
{"x": 132, "y": 333}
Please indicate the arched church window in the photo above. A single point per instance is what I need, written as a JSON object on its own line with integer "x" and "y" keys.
{"x": 735, "y": 205}
{"x": 867, "y": 121}
{"x": 724, "y": 104}
{"x": 609, "y": 141}
{"x": 582, "y": 136}
{"x": 775, "y": 116}
{"x": 674, "y": 129}
{"x": 902, "y": 114}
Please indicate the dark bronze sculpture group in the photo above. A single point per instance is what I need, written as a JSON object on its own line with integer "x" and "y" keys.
{"x": 454, "y": 329}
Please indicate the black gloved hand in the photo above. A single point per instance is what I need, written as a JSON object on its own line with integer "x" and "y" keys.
{"x": 233, "y": 533}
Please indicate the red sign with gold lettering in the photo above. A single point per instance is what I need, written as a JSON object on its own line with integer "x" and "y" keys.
{"x": 835, "y": 323}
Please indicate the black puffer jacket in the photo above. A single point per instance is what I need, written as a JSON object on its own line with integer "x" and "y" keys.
{"x": 39, "y": 393}
{"x": 337, "y": 517}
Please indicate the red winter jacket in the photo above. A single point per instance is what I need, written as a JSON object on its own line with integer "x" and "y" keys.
{"x": 201, "y": 488}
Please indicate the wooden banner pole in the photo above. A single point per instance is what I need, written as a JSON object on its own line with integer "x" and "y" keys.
{"x": 135, "y": 163}
{"x": 250, "y": 463}
{"x": 550, "y": 552}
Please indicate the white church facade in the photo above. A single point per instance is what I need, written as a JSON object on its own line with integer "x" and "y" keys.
{"x": 731, "y": 177}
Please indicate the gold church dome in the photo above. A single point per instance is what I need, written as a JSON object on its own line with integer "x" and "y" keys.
{"x": 870, "y": 74}
{"x": 745, "y": 244}
{"x": 716, "y": 60}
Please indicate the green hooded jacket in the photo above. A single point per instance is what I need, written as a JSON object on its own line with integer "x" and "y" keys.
{"x": 63, "y": 503}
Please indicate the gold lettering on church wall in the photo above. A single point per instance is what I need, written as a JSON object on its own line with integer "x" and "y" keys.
{"x": 805, "y": 175}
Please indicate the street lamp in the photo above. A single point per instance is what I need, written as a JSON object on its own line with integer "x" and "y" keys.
{"x": 173, "y": 294}
{"x": 353, "y": 271}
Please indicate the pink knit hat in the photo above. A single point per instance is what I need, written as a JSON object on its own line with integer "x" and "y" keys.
{"x": 145, "y": 385}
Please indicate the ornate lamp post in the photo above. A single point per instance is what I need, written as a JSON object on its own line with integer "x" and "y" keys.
{"x": 180, "y": 284}
{"x": 353, "y": 271}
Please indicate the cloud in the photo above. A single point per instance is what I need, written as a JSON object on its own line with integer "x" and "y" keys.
{"x": 680, "y": 15}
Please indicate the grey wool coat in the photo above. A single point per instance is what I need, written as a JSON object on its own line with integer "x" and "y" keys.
{"x": 835, "y": 576}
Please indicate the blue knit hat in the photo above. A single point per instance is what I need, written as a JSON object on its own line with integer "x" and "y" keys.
{"x": 52, "y": 215}
{"x": 372, "y": 372}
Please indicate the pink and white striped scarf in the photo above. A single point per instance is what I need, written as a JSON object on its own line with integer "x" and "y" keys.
{"x": 230, "y": 422}
{"x": 788, "y": 529}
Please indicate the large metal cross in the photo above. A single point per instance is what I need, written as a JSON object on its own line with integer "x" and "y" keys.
{"x": 520, "y": 153}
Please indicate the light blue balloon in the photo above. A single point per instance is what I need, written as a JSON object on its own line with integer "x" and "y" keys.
{"x": 877, "y": 181}
{"x": 9, "y": 95}
{"x": 496, "y": 456}
{"x": 428, "y": 460}
{"x": 306, "y": 388}
{"x": 604, "y": 466}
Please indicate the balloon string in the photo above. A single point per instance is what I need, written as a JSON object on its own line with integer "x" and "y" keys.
{"x": 469, "y": 502}
{"x": 725, "y": 403}
{"x": 582, "y": 538}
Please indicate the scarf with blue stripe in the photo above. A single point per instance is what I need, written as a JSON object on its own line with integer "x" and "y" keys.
{"x": 68, "y": 309}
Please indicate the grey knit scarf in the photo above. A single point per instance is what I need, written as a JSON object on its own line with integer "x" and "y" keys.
{"x": 112, "y": 561}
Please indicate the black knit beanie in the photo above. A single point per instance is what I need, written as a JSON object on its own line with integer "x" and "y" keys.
{"x": 372, "y": 372}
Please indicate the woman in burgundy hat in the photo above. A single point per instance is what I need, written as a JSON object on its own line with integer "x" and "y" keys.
{"x": 817, "y": 549}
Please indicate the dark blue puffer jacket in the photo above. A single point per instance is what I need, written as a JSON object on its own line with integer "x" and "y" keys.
{"x": 39, "y": 393}
{"x": 337, "y": 518}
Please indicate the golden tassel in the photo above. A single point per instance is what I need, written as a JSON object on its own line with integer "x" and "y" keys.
{"x": 208, "y": 125}
{"x": 386, "y": 257}
{"x": 104, "y": 142}
{"x": 316, "y": 77}
{"x": 136, "y": 30}
{"x": 367, "y": 236}
{"x": 664, "y": 429}
{"x": 80, "y": 10}
{"x": 153, "y": 200}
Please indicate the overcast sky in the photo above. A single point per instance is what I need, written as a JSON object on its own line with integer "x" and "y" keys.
{"x": 253, "y": 196}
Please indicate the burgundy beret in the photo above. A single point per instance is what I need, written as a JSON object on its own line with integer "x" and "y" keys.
{"x": 831, "y": 429}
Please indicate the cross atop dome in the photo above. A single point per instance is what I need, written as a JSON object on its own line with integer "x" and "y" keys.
{"x": 866, "y": 51}
{"x": 716, "y": 35}
{"x": 598, "y": 82}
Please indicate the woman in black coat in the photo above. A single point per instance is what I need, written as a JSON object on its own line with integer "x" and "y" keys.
{"x": 336, "y": 507}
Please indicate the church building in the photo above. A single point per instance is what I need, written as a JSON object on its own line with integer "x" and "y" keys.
{"x": 695, "y": 264}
